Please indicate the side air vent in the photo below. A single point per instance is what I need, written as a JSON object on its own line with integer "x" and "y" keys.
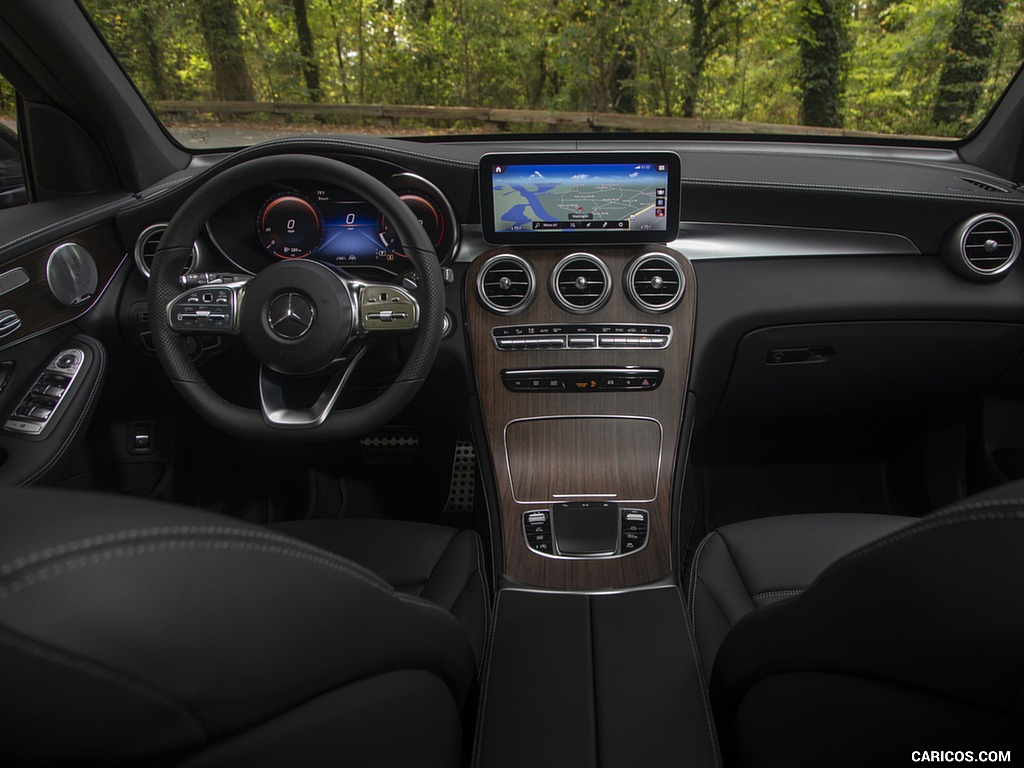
{"x": 983, "y": 247}
{"x": 146, "y": 245}
{"x": 655, "y": 282}
{"x": 581, "y": 283}
{"x": 506, "y": 284}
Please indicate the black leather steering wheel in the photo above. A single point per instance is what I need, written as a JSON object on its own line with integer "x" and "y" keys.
{"x": 298, "y": 318}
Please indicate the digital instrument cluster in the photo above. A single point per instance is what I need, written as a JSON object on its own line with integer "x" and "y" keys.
{"x": 332, "y": 226}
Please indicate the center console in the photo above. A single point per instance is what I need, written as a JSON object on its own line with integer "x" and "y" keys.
{"x": 580, "y": 327}
{"x": 580, "y": 324}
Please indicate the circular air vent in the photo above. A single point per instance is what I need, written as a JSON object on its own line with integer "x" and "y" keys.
{"x": 983, "y": 247}
{"x": 146, "y": 245}
{"x": 655, "y": 282}
{"x": 581, "y": 283}
{"x": 506, "y": 284}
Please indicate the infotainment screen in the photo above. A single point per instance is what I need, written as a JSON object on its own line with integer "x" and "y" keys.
{"x": 580, "y": 197}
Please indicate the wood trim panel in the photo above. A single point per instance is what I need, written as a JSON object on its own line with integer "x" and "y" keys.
{"x": 35, "y": 304}
{"x": 634, "y": 461}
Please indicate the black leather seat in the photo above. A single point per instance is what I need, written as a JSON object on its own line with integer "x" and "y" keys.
{"x": 855, "y": 640}
{"x": 132, "y": 631}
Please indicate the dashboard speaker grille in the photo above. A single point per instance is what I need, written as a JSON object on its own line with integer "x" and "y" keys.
{"x": 581, "y": 283}
{"x": 146, "y": 245}
{"x": 506, "y": 284}
{"x": 655, "y": 282}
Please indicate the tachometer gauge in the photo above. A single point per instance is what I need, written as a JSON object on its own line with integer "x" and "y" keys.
{"x": 428, "y": 216}
{"x": 289, "y": 226}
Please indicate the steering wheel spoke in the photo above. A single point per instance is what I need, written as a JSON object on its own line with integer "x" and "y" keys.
{"x": 385, "y": 308}
{"x": 274, "y": 397}
{"x": 209, "y": 304}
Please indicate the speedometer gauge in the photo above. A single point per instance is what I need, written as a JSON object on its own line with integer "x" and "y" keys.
{"x": 289, "y": 226}
{"x": 429, "y": 217}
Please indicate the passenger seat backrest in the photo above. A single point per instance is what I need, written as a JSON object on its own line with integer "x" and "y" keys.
{"x": 915, "y": 641}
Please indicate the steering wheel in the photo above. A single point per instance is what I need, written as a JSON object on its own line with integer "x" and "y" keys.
{"x": 297, "y": 318}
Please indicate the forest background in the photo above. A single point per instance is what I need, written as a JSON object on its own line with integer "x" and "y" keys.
{"x": 905, "y": 67}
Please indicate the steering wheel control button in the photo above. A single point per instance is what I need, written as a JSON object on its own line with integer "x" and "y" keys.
{"x": 291, "y": 316}
{"x": 387, "y": 308}
{"x": 206, "y": 308}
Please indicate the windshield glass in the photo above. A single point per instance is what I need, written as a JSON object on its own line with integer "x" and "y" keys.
{"x": 232, "y": 72}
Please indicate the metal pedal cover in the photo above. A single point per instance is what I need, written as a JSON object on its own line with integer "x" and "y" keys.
{"x": 463, "y": 484}
{"x": 394, "y": 446}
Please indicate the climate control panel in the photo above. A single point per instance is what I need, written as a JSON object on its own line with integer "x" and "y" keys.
{"x": 515, "y": 338}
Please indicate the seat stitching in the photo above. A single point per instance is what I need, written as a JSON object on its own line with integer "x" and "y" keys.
{"x": 488, "y": 656}
{"x": 708, "y": 716}
{"x": 693, "y": 574}
{"x": 483, "y": 578}
{"x": 777, "y": 593}
{"x": 102, "y": 555}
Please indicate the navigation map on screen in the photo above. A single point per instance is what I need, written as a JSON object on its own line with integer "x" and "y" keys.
{"x": 560, "y": 197}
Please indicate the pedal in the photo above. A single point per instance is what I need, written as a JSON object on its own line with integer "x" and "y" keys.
{"x": 463, "y": 484}
{"x": 392, "y": 446}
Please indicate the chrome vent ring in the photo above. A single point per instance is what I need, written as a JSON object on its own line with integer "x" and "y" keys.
{"x": 983, "y": 247}
{"x": 655, "y": 282}
{"x": 145, "y": 249}
{"x": 581, "y": 283}
{"x": 506, "y": 284}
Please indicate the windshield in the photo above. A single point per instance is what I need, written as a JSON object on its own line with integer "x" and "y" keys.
{"x": 232, "y": 72}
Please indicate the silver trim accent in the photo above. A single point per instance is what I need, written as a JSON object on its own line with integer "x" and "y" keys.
{"x": 976, "y": 221}
{"x": 530, "y": 292}
{"x": 616, "y": 555}
{"x": 666, "y": 582}
{"x": 439, "y": 197}
{"x": 9, "y": 322}
{"x": 630, "y": 288}
{"x": 13, "y": 279}
{"x": 713, "y": 241}
{"x": 594, "y": 305}
{"x": 584, "y": 497}
{"x": 276, "y": 414}
{"x": 139, "y": 249}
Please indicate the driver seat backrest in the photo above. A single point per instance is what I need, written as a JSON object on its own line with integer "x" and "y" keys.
{"x": 133, "y": 631}
{"x": 911, "y": 642}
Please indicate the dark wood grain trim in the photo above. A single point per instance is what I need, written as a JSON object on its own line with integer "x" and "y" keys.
{"x": 501, "y": 407}
{"x": 35, "y": 304}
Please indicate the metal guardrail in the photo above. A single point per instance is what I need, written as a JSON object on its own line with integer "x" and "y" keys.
{"x": 578, "y": 121}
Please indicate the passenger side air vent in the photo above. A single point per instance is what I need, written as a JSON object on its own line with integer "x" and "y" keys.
{"x": 983, "y": 247}
{"x": 581, "y": 283}
{"x": 146, "y": 245}
{"x": 506, "y": 284}
{"x": 655, "y": 282}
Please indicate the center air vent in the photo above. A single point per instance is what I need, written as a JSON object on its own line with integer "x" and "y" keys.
{"x": 146, "y": 245}
{"x": 983, "y": 247}
{"x": 506, "y": 284}
{"x": 581, "y": 283}
{"x": 655, "y": 282}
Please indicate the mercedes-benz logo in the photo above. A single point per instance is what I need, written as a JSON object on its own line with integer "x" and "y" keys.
{"x": 290, "y": 316}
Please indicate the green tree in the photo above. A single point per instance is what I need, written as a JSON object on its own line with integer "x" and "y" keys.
{"x": 822, "y": 44}
{"x": 222, "y": 32}
{"x": 965, "y": 69}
